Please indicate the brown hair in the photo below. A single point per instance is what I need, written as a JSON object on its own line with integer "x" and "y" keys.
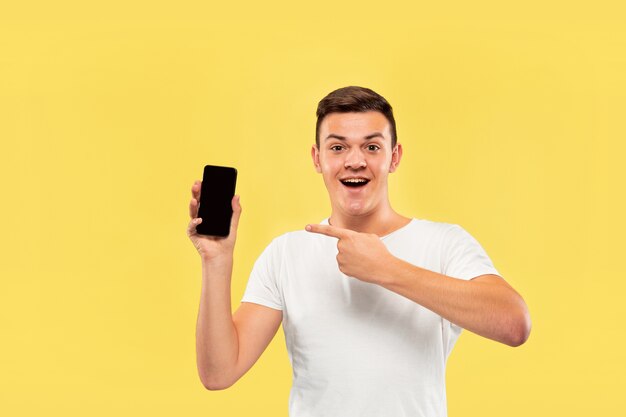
{"x": 354, "y": 99}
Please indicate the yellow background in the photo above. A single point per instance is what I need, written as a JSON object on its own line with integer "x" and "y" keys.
{"x": 512, "y": 122}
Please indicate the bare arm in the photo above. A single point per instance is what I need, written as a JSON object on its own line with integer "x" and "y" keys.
{"x": 226, "y": 346}
{"x": 486, "y": 305}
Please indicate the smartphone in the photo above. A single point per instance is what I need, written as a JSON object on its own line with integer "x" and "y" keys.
{"x": 216, "y": 194}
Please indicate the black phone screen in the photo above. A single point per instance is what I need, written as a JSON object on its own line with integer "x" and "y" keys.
{"x": 216, "y": 194}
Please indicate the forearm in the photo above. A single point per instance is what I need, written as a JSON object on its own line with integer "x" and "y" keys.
{"x": 216, "y": 336}
{"x": 491, "y": 310}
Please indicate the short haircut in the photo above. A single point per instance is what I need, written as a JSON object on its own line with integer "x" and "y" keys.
{"x": 354, "y": 99}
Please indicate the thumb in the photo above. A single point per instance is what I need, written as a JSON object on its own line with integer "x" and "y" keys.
{"x": 234, "y": 220}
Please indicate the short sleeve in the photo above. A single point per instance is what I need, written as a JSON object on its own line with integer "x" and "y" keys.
{"x": 263, "y": 287}
{"x": 464, "y": 257}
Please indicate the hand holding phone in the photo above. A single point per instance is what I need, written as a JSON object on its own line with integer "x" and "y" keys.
{"x": 214, "y": 212}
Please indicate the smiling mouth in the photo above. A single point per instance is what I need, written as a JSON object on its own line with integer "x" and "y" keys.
{"x": 354, "y": 182}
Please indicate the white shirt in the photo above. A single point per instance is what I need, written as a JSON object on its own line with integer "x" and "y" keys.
{"x": 356, "y": 348}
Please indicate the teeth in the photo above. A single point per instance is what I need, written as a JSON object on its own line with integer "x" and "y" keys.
{"x": 354, "y": 180}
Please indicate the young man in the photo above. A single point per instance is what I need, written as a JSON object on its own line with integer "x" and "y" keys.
{"x": 371, "y": 301}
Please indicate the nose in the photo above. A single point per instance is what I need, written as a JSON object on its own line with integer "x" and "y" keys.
{"x": 355, "y": 160}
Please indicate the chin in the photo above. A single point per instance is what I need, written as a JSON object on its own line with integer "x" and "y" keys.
{"x": 355, "y": 209}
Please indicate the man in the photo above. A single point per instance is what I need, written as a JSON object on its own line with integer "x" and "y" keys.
{"x": 371, "y": 301}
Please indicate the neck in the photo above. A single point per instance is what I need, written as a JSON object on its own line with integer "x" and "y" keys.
{"x": 380, "y": 222}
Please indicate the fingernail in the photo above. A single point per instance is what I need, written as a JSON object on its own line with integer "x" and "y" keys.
{"x": 308, "y": 227}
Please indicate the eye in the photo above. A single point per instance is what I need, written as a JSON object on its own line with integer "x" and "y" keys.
{"x": 373, "y": 147}
{"x": 336, "y": 148}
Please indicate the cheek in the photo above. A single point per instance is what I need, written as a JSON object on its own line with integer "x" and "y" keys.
{"x": 380, "y": 166}
{"x": 329, "y": 166}
{"x": 327, "y": 173}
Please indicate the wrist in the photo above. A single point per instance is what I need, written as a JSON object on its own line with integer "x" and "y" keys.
{"x": 390, "y": 271}
{"x": 217, "y": 262}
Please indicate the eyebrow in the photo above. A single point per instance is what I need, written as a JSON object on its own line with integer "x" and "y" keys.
{"x": 368, "y": 137}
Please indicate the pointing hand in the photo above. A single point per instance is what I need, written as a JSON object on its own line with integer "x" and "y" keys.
{"x": 360, "y": 255}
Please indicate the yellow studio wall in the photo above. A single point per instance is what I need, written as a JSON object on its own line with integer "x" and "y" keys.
{"x": 512, "y": 125}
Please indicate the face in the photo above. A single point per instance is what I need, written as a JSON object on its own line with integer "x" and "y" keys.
{"x": 355, "y": 157}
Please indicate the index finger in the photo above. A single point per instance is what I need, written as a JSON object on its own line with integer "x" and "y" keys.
{"x": 195, "y": 189}
{"x": 328, "y": 230}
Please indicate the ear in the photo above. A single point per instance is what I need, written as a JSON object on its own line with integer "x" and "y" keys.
{"x": 315, "y": 154}
{"x": 396, "y": 155}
